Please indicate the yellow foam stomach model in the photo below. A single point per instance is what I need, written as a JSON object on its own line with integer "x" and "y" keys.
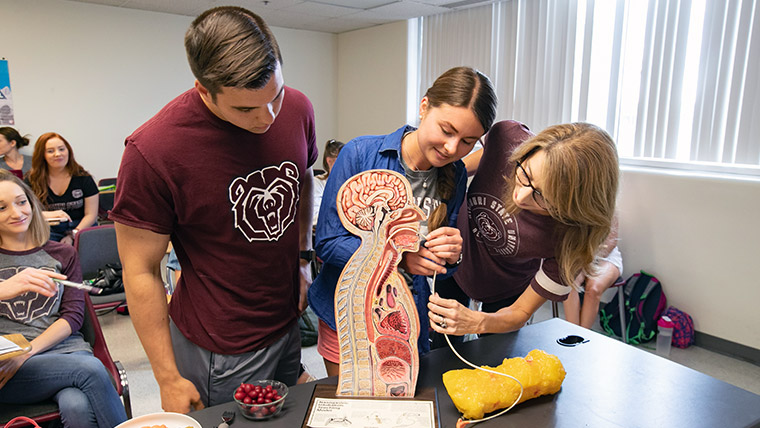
{"x": 475, "y": 392}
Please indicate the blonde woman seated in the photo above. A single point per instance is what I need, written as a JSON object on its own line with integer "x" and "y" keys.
{"x": 60, "y": 365}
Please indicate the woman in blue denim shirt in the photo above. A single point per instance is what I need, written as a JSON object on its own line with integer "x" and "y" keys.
{"x": 454, "y": 114}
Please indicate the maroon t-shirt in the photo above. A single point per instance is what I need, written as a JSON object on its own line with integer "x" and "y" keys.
{"x": 504, "y": 253}
{"x": 229, "y": 199}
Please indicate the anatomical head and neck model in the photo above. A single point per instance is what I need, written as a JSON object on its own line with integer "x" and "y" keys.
{"x": 376, "y": 318}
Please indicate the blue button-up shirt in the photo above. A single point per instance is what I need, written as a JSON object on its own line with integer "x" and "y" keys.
{"x": 335, "y": 245}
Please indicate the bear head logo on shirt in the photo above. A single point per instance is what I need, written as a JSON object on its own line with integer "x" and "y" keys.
{"x": 265, "y": 202}
{"x": 27, "y": 307}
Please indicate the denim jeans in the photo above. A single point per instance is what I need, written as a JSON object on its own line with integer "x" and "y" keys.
{"x": 62, "y": 229}
{"x": 78, "y": 382}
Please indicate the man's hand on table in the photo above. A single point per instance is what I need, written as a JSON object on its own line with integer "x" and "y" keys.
{"x": 180, "y": 396}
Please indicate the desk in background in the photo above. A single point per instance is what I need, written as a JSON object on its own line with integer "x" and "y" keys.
{"x": 608, "y": 384}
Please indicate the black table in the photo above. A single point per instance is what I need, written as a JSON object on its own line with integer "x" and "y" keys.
{"x": 608, "y": 384}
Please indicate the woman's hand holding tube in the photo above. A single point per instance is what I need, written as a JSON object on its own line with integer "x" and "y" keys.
{"x": 451, "y": 317}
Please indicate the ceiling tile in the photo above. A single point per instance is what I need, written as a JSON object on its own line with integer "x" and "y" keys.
{"x": 334, "y": 16}
{"x": 452, "y": 3}
{"x": 343, "y": 24}
{"x": 323, "y": 10}
{"x": 271, "y": 4}
{"x": 280, "y": 18}
{"x": 403, "y": 10}
{"x": 458, "y": 4}
{"x": 356, "y": 4}
{"x": 177, "y": 7}
{"x": 103, "y": 2}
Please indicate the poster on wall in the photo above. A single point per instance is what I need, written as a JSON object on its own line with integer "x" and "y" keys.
{"x": 6, "y": 100}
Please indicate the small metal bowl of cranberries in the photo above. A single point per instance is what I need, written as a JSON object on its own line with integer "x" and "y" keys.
{"x": 261, "y": 399}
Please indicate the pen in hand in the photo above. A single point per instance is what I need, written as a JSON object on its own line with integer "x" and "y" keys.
{"x": 89, "y": 288}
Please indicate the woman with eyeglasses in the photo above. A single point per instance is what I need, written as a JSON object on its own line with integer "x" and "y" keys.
{"x": 538, "y": 213}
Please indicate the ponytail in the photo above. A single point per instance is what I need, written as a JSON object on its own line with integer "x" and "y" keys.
{"x": 446, "y": 187}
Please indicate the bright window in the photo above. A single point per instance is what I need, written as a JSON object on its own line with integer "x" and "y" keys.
{"x": 675, "y": 82}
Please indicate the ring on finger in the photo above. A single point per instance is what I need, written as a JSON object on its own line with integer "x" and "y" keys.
{"x": 443, "y": 323}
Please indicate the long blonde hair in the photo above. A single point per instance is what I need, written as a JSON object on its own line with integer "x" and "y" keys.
{"x": 580, "y": 187}
{"x": 39, "y": 231}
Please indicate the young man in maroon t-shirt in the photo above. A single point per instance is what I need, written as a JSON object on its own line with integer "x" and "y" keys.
{"x": 224, "y": 171}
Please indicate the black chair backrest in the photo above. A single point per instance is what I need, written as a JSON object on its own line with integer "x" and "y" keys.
{"x": 90, "y": 324}
{"x": 105, "y": 205}
{"x": 106, "y": 182}
{"x": 96, "y": 247}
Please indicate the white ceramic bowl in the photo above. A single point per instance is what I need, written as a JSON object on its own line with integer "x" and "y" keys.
{"x": 171, "y": 420}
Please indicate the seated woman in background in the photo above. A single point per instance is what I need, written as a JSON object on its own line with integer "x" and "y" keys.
{"x": 66, "y": 190}
{"x": 10, "y": 143}
{"x": 60, "y": 365}
{"x": 332, "y": 148}
{"x": 528, "y": 237}
{"x": 454, "y": 113}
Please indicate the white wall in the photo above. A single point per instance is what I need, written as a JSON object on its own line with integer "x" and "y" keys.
{"x": 372, "y": 66}
{"x": 310, "y": 64}
{"x": 95, "y": 73}
{"x": 700, "y": 237}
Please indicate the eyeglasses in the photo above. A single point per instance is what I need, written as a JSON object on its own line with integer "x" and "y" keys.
{"x": 524, "y": 180}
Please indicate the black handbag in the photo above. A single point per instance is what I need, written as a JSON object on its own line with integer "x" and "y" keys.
{"x": 109, "y": 280}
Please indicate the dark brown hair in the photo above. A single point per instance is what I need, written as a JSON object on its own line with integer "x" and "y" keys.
{"x": 12, "y": 135}
{"x": 332, "y": 148}
{"x": 39, "y": 175}
{"x": 465, "y": 87}
{"x": 231, "y": 47}
{"x": 459, "y": 87}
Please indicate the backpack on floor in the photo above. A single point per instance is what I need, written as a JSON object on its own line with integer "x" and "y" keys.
{"x": 308, "y": 324}
{"x": 109, "y": 279}
{"x": 683, "y": 329}
{"x": 644, "y": 303}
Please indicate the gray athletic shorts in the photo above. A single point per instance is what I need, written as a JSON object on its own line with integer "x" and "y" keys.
{"x": 216, "y": 376}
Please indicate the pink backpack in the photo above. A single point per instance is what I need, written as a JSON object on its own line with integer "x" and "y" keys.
{"x": 683, "y": 329}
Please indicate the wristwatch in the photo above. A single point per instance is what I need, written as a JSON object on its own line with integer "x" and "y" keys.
{"x": 453, "y": 265}
{"x": 307, "y": 255}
